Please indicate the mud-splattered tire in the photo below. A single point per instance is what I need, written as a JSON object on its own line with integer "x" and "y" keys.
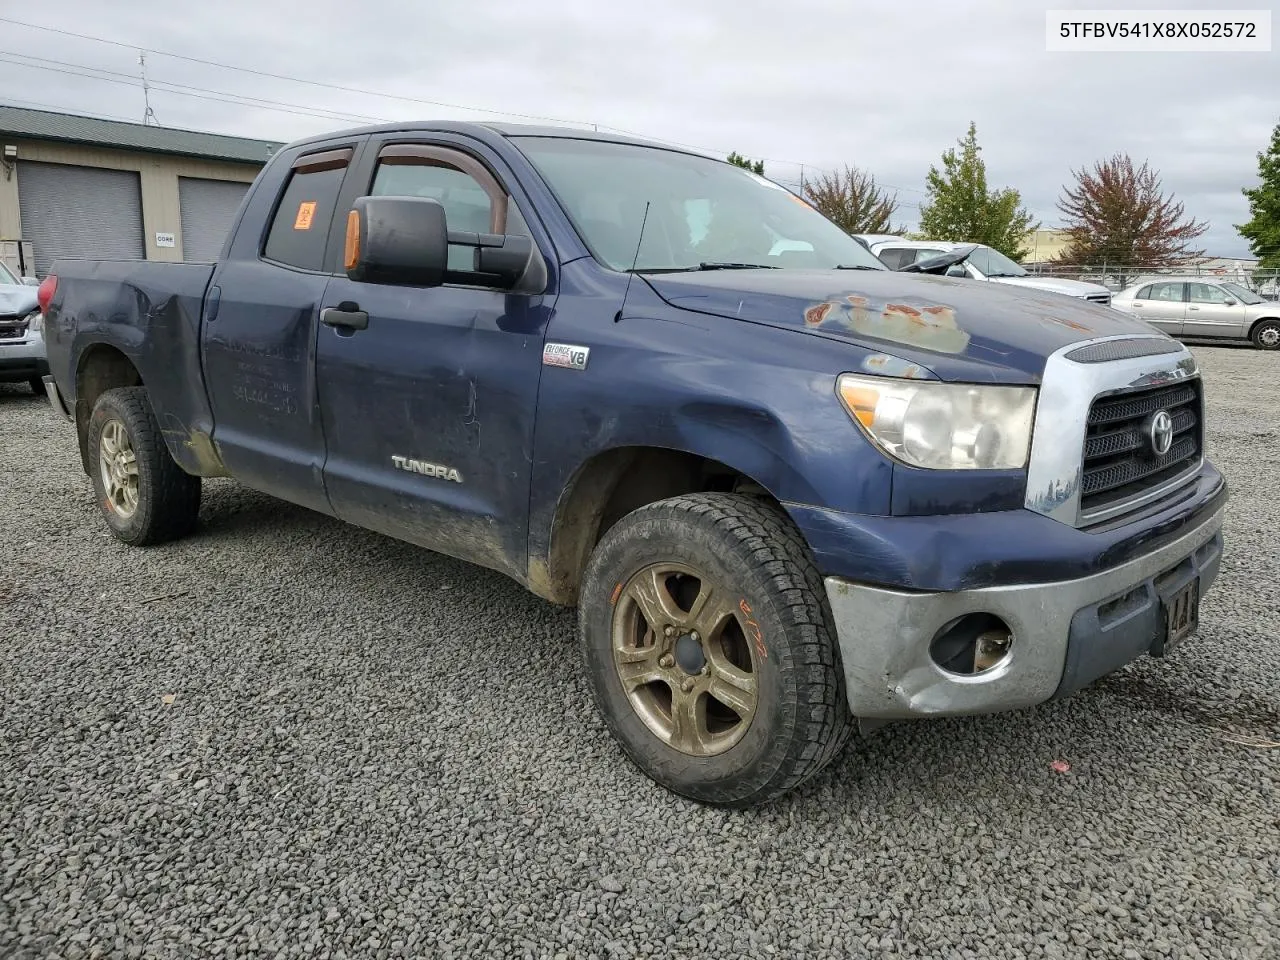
{"x": 1266, "y": 335}
{"x": 748, "y": 613}
{"x": 145, "y": 497}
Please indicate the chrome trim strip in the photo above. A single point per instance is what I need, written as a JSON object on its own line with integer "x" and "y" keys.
{"x": 1134, "y": 503}
{"x": 1067, "y": 389}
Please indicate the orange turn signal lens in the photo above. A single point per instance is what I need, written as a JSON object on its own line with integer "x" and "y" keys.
{"x": 352, "y": 253}
{"x": 861, "y": 402}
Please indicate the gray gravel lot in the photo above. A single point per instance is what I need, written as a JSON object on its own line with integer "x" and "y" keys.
{"x": 286, "y": 736}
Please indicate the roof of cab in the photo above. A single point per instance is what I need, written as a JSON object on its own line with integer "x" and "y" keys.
{"x": 503, "y": 130}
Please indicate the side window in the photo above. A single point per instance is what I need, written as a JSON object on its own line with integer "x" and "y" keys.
{"x": 895, "y": 258}
{"x": 473, "y": 200}
{"x": 1144, "y": 293}
{"x": 300, "y": 228}
{"x": 1167, "y": 292}
{"x": 1207, "y": 293}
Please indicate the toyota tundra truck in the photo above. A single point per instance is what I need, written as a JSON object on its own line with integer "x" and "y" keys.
{"x": 791, "y": 493}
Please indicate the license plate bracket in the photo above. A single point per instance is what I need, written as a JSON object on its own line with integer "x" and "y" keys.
{"x": 1181, "y": 615}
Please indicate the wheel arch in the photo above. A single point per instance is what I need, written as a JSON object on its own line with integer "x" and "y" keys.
{"x": 100, "y": 367}
{"x": 1260, "y": 321}
{"x": 610, "y": 485}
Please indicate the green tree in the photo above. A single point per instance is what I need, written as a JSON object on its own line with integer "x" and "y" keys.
{"x": 1263, "y": 229}
{"x": 853, "y": 201}
{"x": 738, "y": 160}
{"x": 961, "y": 208}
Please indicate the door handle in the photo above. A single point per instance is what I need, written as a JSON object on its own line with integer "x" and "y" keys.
{"x": 347, "y": 315}
{"x": 1193, "y": 308}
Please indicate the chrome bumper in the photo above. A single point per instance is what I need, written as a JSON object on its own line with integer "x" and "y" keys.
{"x": 885, "y": 634}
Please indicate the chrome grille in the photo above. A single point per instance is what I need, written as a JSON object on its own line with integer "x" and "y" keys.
{"x": 1120, "y": 463}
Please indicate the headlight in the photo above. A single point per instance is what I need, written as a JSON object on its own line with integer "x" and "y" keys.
{"x": 943, "y": 426}
{"x": 35, "y": 322}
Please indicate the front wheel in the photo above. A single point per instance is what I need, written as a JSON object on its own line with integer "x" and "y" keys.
{"x": 709, "y": 645}
{"x": 144, "y": 495}
{"x": 1266, "y": 335}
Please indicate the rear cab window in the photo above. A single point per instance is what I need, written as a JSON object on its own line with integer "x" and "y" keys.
{"x": 299, "y": 229}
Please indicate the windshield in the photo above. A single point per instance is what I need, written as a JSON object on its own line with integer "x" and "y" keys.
{"x": 701, "y": 211}
{"x": 6, "y": 276}
{"x": 1242, "y": 294}
{"x": 993, "y": 263}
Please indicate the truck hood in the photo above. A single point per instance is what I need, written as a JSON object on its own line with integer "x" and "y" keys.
{"x": 1072, "y": 288}
{"x": 958, "y": 329}
{"x": 17, "y": 301}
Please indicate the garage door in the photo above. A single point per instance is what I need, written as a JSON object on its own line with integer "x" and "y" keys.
{"x": 79, "y": 212}
{"x": 208, "y": 209}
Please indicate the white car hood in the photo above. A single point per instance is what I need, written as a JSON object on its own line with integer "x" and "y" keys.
{"x": 1072, "y": 288}
{"x": 17, "y": 301}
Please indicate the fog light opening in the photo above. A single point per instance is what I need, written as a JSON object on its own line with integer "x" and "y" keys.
{"x": 973, "y": 644}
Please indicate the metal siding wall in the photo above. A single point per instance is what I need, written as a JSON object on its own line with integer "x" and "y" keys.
{"x": 208, "y": 209}
{"x": 80, "y": 212}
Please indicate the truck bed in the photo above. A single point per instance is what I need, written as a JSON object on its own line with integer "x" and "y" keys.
{"x": 151, "y": 312}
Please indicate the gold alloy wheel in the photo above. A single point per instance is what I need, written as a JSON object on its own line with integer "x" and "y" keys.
{"x": 118, "y": 465}
{"x": 684, "y": 660}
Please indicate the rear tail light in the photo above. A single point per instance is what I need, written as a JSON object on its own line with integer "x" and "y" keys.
{"x": 44, "y": 295}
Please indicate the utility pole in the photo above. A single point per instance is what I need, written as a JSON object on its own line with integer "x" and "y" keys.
{"x": 148, "y": 115}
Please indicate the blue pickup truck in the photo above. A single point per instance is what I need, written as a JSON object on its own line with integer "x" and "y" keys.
{"x": 790, "y": 492}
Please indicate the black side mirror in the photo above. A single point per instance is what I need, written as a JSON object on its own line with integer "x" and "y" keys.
{"x": 397, "y": 240}
{"x": 405, "y": 241}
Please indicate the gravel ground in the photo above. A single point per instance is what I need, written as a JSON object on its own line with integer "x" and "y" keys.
{"x": 289, "y": 737}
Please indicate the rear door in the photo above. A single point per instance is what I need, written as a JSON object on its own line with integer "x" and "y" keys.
{"x": 260, "y": 328}
{"x": 1212, "y": 312}
{"x": 429, "y": 410}
{"x": 1162, "y": 304}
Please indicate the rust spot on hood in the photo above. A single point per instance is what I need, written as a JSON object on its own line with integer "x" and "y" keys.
{"x": 931, "y": 327}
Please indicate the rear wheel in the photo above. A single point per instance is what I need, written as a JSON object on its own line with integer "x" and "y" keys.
{"x": 144, "y": 495}
{"x": 1266, "y": 335}
{"x": 706, "y": 634}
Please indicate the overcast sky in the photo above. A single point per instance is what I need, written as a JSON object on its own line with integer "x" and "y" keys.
{"x": 882, "y": 85}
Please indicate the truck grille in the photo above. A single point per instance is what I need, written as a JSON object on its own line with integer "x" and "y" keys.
{"x": 13, "y": 328}
{"x": 1120, "y": 462}
{"x": 1102, "y": 298}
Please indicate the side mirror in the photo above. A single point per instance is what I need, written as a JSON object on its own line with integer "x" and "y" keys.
{"x": 1230, "y": 303}
{"x": 956, "y": 270}
{"x": 405, "y": 241}
{"x": 397, "y": 240}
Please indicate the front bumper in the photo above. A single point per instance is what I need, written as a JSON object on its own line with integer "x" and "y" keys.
{"x": 1066, "y": 633}
{"x": 23, "y": 358}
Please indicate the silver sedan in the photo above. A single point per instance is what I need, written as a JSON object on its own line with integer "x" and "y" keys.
{"x": 1204, "y": 307}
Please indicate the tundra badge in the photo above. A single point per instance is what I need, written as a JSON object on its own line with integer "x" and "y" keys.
{"x": 427, "y": 469}
{"x": 565, "y": 355}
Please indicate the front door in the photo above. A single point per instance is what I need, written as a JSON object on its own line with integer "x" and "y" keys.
{"x": 260, "y": 330}
{"x": 1212, "y": 312}
{"x": 429, "y": 410}
{"x": 1161, "y": 304}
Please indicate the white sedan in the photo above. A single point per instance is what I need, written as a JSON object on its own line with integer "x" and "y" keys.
{"x": 1203, "y": 307}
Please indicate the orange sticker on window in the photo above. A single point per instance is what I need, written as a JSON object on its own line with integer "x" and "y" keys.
{"x": 306, "y": 212}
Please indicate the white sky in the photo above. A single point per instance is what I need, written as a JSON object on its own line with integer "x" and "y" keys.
{"x": 882, "y": 85}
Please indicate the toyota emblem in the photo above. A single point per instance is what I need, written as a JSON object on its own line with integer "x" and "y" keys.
{"x": 1161, "y": 433}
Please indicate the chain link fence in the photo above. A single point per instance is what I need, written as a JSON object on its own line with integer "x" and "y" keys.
{"x": 1116, "y": 277}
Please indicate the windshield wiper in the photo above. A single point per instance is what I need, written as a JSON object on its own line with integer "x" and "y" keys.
{"x": 859, "y": 266}
{"x": 725, "y": 265}
{"x": 1007, "y": 274}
